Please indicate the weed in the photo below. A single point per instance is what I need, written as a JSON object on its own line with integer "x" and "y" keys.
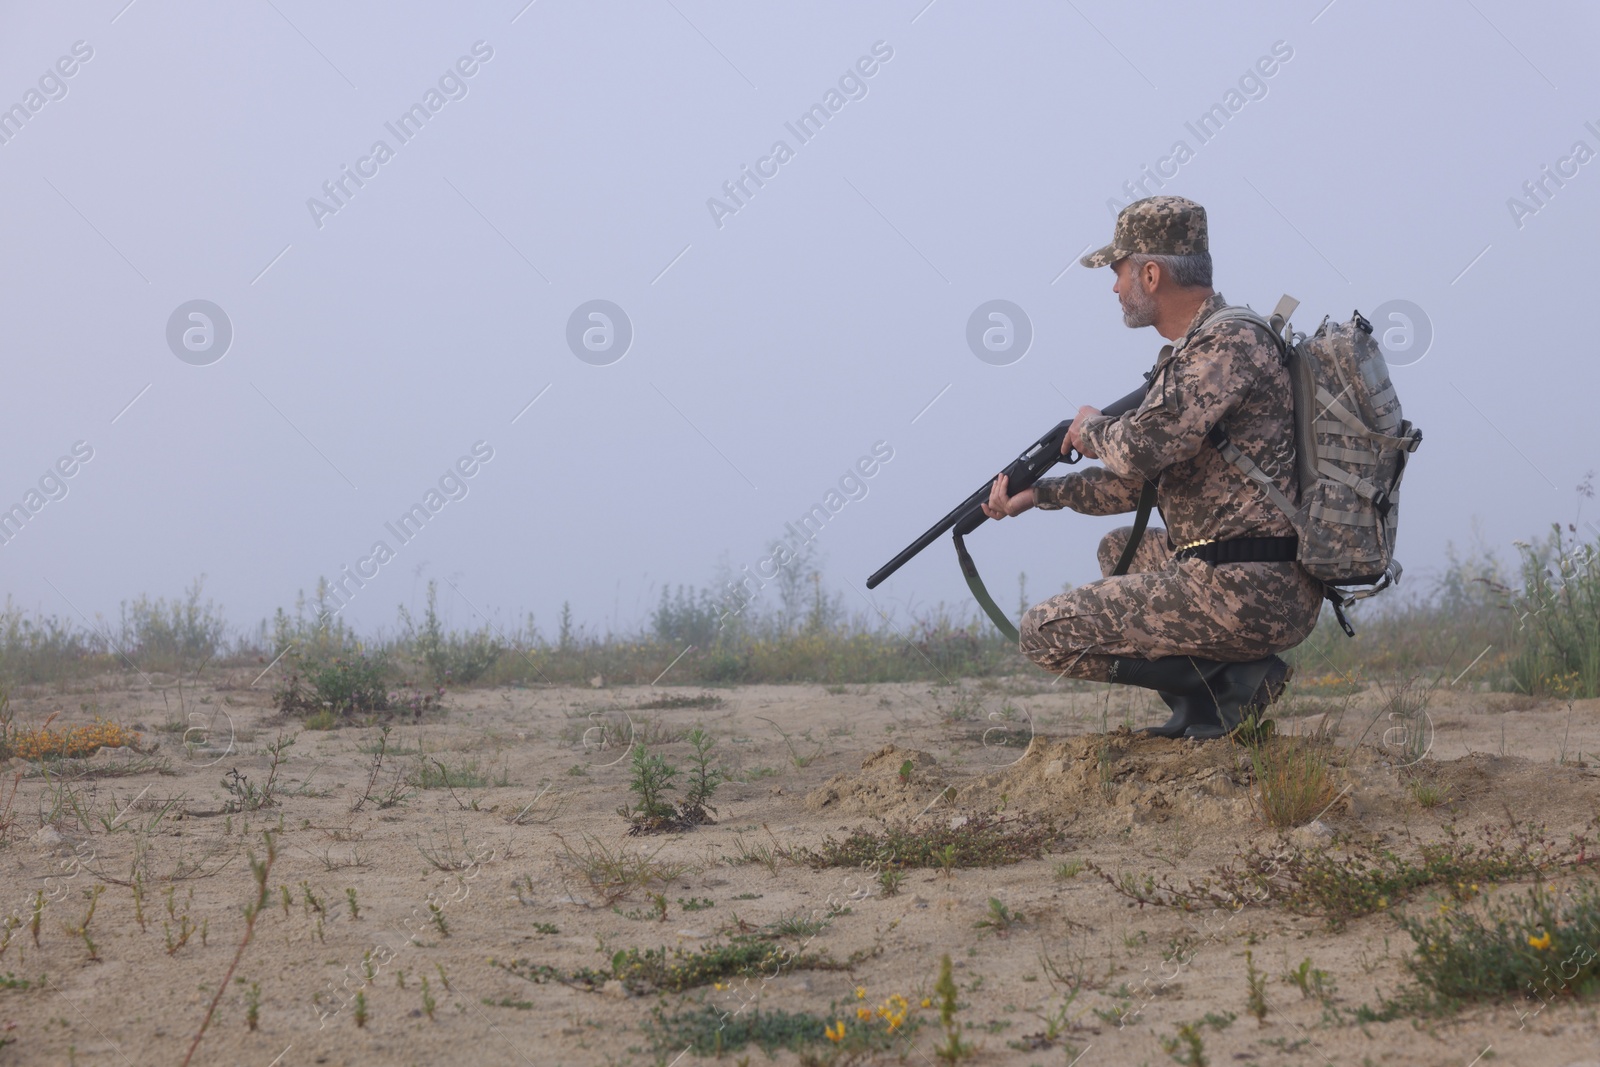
{"x": 1558, "y": 613}
{"x": 252, "y": 1006}
{"x": 355, "y": 910}
{"x": 1067, "y": 871}
{"x": 761, "y": 854}
{"x": 507, "y": 1002}
{"x": 38, "y": 915}
{"x": 906, "y": 767}
{"x": 652, "y": 776}
{"x": 428, "y": 1003}
{"x": 81, "y": 930}
{"x": 361, "y": 1008}
{"x": 1000, "y": 919}
{"x": 954, "y": 1049}
{"x": 1534, "y": 943}
{"x": 446, "y": 857}
{"x": 1427, "y": 795}
{"x": 12, "y": 922}
{"x": 1187, "y": 1047}
{"x": 245, "y": 795}
{"x": 800, "y": 760}
{"x": 545, "y": 928}
{"x": 1339, "y": 885}
{"x": 259, "y": 870}
{"x": 703, "y": 779}
{"x": 709, "y": 1031}
{"x": 395, "y": 792}
{"x": 1312, "y": 982}
{"x": 660, "y": 970}
{"x": 696, "y": 903}
{"x": 890, "y": 880}
{"x": 614, "y": 874}
{"x": 436, "y": 916}
{"x": 1256, "y": 998}
{"x": 978, "y": 840}
{"x": 1292, "y": 781}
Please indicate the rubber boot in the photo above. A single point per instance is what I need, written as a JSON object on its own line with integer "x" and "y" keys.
{"x": 1181, "y": 682}
{"x": 1187, "y": 711}
{"x": 1243, "y": 691}
{"x": 1235, "y": 690}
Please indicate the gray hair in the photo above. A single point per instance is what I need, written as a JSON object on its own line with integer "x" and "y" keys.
{"x": 1187, "y": 271}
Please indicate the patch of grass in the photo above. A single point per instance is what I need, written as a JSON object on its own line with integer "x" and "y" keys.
{"x": 464, "y": 773}
{"x": 662, "y": 970}
{"x": 1292, "y": 781}
{"x": 1313, "y": 983}
{"x": 614, "y": 874}
{"x": 1341, "y": 884}
{"x": 673, "y": 701}
{"x": 982, "y": 839}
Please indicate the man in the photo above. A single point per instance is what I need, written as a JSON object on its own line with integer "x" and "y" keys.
{"x": 1208, "y": 601}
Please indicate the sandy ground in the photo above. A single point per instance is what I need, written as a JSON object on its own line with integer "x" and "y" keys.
{"x": 796, "y": 754}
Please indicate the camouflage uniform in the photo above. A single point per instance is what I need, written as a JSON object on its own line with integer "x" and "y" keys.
{"x": 1230, "y": 372}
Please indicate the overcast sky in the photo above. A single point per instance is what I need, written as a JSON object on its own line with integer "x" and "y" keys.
{"x": 559, "y": 153}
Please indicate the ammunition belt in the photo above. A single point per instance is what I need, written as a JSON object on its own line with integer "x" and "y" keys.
{"x": 1242, "y": 550}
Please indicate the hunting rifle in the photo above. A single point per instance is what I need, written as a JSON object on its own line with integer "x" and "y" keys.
{"x": 1026, "y": 469}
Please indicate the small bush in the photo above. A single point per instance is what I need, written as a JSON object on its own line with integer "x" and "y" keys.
{"x": 348, "y": 687}
{"x": 1536, "y": 943}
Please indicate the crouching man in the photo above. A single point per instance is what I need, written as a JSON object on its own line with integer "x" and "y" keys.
{"x": 1208, "y": 601}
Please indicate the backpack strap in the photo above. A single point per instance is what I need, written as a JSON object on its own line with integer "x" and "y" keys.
{"x": 1247, "y": 467}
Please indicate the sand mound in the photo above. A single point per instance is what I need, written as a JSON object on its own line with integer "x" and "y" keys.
{"x": 1118, "y": 779}
{"x": 881, "y": 788}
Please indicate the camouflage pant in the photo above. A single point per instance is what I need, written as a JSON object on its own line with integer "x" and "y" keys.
{"x": 1162, "y": 607}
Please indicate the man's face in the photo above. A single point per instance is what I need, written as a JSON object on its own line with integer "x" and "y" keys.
{"x": 1138, "y": 303}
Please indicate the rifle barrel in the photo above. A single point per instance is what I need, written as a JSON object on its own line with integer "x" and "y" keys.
{"x": 1022, "y": 473}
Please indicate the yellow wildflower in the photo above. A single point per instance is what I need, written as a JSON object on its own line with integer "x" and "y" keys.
{"x": 835, "y": 1035}
{"x": 927, "y": 1003}
{"x": 1541, "y": 942}
{"x": 863, "y": 1014}
{"x": 861, "y": 992}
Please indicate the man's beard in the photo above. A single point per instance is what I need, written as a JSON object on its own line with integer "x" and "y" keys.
{"x": 1138, "y": 304}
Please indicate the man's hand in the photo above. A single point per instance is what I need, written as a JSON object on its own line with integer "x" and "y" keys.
{"x": 1000, "y": 505}
{"x": 1073, "y": 440}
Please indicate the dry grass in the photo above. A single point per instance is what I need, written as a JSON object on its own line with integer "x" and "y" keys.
{"x": 612, "y": 875}
{"x": 1292, "y": 781}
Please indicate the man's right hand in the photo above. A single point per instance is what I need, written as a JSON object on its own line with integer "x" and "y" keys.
{"x": 1000, "y": 505}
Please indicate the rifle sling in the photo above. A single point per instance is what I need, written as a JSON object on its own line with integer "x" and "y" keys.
{"x": 1141, "y": 518}
{"x": 980, "y": 593}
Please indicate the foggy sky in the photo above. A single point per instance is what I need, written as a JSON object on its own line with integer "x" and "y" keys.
{"x": 408, "y": 323}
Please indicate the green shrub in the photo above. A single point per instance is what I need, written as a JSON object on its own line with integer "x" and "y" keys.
{"x": 347, "y": 687}
{"x": 1558, "y": 617}
{"x": 1537, "y": 943}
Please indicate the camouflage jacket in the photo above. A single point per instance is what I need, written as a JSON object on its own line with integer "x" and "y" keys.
{"x": 1230, "y": 372}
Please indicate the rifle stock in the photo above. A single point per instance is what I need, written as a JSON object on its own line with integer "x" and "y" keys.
{"x": 1021, "y": 474}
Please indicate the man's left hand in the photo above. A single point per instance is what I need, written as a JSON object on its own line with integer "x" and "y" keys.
{"x": 1073, "y": 440}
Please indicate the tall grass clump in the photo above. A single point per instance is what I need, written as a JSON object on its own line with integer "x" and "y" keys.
{"x": 1558, "y": 616}
{"x": 1292, "y": 781}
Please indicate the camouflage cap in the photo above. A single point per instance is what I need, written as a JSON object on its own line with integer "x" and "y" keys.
{"x": 1155, "y": 226}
